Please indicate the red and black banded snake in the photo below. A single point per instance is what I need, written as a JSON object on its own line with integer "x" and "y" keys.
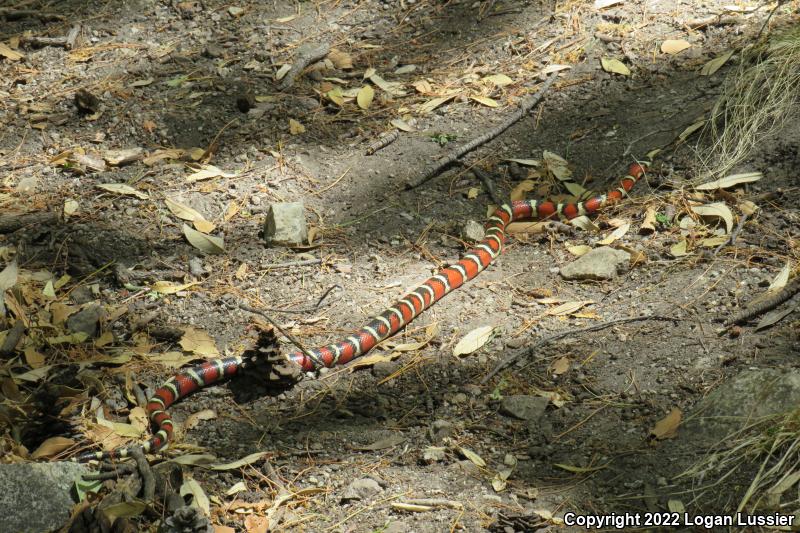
{"x": 381, "y": 327}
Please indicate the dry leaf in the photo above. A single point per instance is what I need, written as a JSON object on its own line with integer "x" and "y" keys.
{"x": 295, "y": 128}
{"x": 730, "y": 181}
{"x": 674, "y": 46}
{"x": 520, "y": 191}
{"x": 615, "y": 66}
{"x": 473, "y": 193}
{"x": 567, "y": 308}
{"x": 473, "y": 340}
{"x": 207, "y": 172}
{"x": 207, "y": 243}
{"x": 717, "y": 210}
{"x": 488, "y": 102}
{"x": 501, "y": 80}
{"x": 52, "y": 447}
{"x": 121, "y": 188}
{"x": 579, "y": 250}
{"x": 430, "y": 105}
{"x": 559, "y": 366}
{"x": 556, "y": 165}
{"x": 715, "y": 64}
{"x": 340, "y": 60}
{"x": 601, "y": 4}
{"x": 773, "y": 317}
{"x": 616, "y": 234}
{"x": 199, "y": 497}
{"x": 365, "y": 96}
{"x": 244, "y": 461}
{"x": 401, "y": 124}
{"x": 747, "y": 207}
{"x": 526, "y": 162}
{"x": 71, "y": 207}
{"x": 165, "y": 287}
{"x": 197, "y": 341}
{"x": 472, "y": 456}
{"x": 691, "y": 129}
{"x": 585, "y": 223}
{"x": 679, "y": 249}
{"x": 182, "y": 211}
{"x": 781, "y": 279}
{"x": 8, "y": 53}
{"x": 667, "y": 427}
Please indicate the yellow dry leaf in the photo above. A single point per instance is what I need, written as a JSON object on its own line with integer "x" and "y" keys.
{"x": 501, "y": 80}
{"x": 430, "y": 105}
{"x": 473, "y": 340}
{"x": 715, "y": 64}
{"x": 473, "y": 192}
{"x": 679, "y": 249}
{"x": 674, "y": 46}
{"x": 614, "y": 66}
{"x": 295, "y": 128}
{"x": 649, "y": 223}
{"x": 197, "y": 341}
{"x": 519, "y": 192}
{"x": 579, "y": 250}
{"x": 567, "y": 308}
{"x": 488, "y": 102}
{"x": 52, "y": 447}
{"x": 667, "y": 427}
{"x": 340, "y": 60}
{"x": 616, "y": 234}
{"x": 8, "y": 53}
{"x": 365, "y": 96}
{"x": 559, "y": 366}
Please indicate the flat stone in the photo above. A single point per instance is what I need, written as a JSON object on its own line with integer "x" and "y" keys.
{"x": 361, "y": 489}
{"x": 472, "y": 231}
{"x": 86, "y": 320}
{"x": 440, "y": 429}
{"x": 524, "y": 407}
{"x": 286, "y": 224}
{"x": 599, "y": 264}
{"x": 752, "y": 395}
{"x": 35, "y": 497}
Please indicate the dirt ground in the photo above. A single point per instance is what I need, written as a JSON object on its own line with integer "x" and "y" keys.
{"x": 176, "y": 76}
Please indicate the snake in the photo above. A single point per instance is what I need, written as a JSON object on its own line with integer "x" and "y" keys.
{"x": 379, "y": 328}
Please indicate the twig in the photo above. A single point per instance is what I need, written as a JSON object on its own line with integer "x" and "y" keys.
{"x": 67, "y": 42}
{"x": 148, "y": 481}
{"x": 527, "y": 104}
{"x": 766, "y": 305}
{"x": 567, "y": 333}
{"x": 307, "y": 54}
{"x": 307, "y": 309}
{"x": 714, "y": 20}
{"x": 488, "y": 184}
{"x": 734, "y": 234}
{"x": 10, "y": 223}
{"x": 285, "y": 333}
{"x": 12, "y": 338}
{"x": 290, "y": 264}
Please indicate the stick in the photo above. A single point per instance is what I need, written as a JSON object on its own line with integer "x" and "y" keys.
{"x": 527, "y": 104}
{"x": 285, "y": 333}
{"x": 488, "y": 184}
{"x": 767, "y": 305}
{"x": 12, "y": 338}
{"x": 11, "y": 223}
{"x": 307, "y": 54}
{"x": 307, "y": 309}
{"x": 733, "y": 235}
{"x": 566, "y": 333}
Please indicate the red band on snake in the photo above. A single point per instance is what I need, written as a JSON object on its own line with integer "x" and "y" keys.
{"x": 383, "y": 326}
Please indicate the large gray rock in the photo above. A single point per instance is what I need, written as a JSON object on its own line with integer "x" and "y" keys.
{"x": 286, "y": 224}
{"x": 35, "y": 497}
{"x": 528, "y": 408}
{"x": 751, "y": 395}
{"x": 598, "y": 264}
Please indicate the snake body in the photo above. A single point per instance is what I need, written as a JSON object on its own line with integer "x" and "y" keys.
{"x": 386, "y": 324}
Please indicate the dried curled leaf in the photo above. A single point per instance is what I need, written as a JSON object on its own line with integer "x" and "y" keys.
{"x": 667, "y": 427}
{"x": 473, "y": 340}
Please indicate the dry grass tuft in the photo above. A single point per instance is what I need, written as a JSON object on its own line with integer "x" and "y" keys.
{"x": 757, "y": 100}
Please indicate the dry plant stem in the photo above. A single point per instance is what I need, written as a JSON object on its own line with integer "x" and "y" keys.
{"x": 527, "y": 104}
{"x": 767, "y": 305}
{"x": 13, "y": 337}
{"x": 307, "y": 309}
{"x": 508, "y": 361}
{"x": 9, "y": 223}
{"x": 307, "y": 55}
{"x": 734, "y": 234}
{"x": 278, "y": 327}
{"x": 291, "y": 264}
{"x": 488, "y": 184}
{"x": 67, "y": 42}
{"x": 148, "y": 480}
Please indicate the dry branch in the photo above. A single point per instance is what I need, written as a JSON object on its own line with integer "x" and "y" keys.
{"x": 527, "y": 104}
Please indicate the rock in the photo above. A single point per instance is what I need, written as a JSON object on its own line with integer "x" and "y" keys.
{"x": 440, "y": 429}
{"x": 524, "y": 407}
{"x": 286, "y": 224}
{"x": 35, "y": 497}
{"x": 433, "y": 454}
{"x": 397, "y": 527}
{"x": 361, "y": 489}
{"x": 751, "y": 395}
{"x": 81, "y": 294}
{"x": 86, "y": 320}
{"x": 472, "y": 231}
{"x": 196, "y": 267}
{"x": 383, "y": 369}
{"x": 118, "y": 158}
{"x": 599, "y": 264}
